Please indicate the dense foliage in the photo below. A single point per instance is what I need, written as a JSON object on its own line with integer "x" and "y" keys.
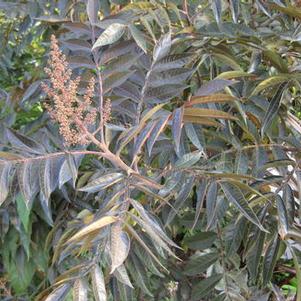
{"x": 157, "y": 157}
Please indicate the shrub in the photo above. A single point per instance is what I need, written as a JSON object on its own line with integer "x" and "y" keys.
{"x": 157, "y": 158}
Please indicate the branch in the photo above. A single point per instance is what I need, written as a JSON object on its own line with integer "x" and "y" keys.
{"x": 106, "y": 153}
{"x": 49, "y": 156}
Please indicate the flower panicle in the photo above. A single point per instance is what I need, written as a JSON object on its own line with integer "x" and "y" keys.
{"x": 107, "y": 110}
{"x": 67, "y": 108}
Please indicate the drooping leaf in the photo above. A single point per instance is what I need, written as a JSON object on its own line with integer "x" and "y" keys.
{"x": 177, "y": 123}
{"x": 283, "y": 218}
{"x": 298, "y": 272}
{"x": 102, "y": 182}
{"x": 49, "y": 170}
{"x": 272, "y": 109}
{"x": 138, "y": 274}
{"x": 234, "y": 6}
{"x": 98, "y": 284}
{"x": 142, "y": 137}
{"x": 152, "y": 222}
{"x": 5, "y": 169}
{"x": 80, "y": 290}
{"x": 235, "y": 196}
{"x": 120, "y": 246}
{"x": 216, "y": 6}
{"x": 270, "y": 259}
{"x": 92, "y": 10}
{"x": 193, "y": 135}
{"x": 23, "y": 211}
{"x": 201, "y": 192}
{"x": 156, "y": 131}
{"x": 60, "y": 293}
{"x": 28, "y": 180}
{"x": 211, "y": 204}
{"x": 121, "y": 274}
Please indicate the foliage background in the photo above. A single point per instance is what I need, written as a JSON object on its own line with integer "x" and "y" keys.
{"x": 206, "y": 103}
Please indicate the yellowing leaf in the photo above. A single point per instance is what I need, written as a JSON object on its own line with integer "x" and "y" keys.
{"x": 234, "y": 74}
{"x": 201, "y": 120}
{"x": 100, "y": 223}
{"x": 207, "y": 113}
{"x": 213, "y": 98}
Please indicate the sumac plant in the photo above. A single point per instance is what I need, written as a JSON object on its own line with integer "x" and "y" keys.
{"x": 152, "y": 153}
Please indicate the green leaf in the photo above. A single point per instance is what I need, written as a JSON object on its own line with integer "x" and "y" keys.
{"x": 23, "y": 211}
{"x": 138, "y": 273}
{"x": 23, "y": 142}
{"x": 151, "y": 221}
{"x": 283, "y": 219}
{"x": 198, "y": 264}
{"x": 201, "y": 192}
{"x": 111, "y": 35}
{"x": 254, "y": 255}
{"x": 235, "y": 196}
{"x": 270, "y": 259}
{"x": 272, "y": 109}
{"x": 213, "y": 86}
{"x": 139, "y": 37}
{"x": 189, "y": 159}
{"x": 28, "y": 179}
{"x": 177, "y": 123}
{"x": 156, "y": 131}
{"x": 234, "y": 6}
{"x": 298, "y": 271}
{"x": 204, "y": 287}
{"x": 201, "y": 240}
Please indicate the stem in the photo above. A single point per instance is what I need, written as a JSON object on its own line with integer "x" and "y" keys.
{"x": 223, "y": 262}
{"x": 100, "y": 83}
{"x": 141, "y": 102}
